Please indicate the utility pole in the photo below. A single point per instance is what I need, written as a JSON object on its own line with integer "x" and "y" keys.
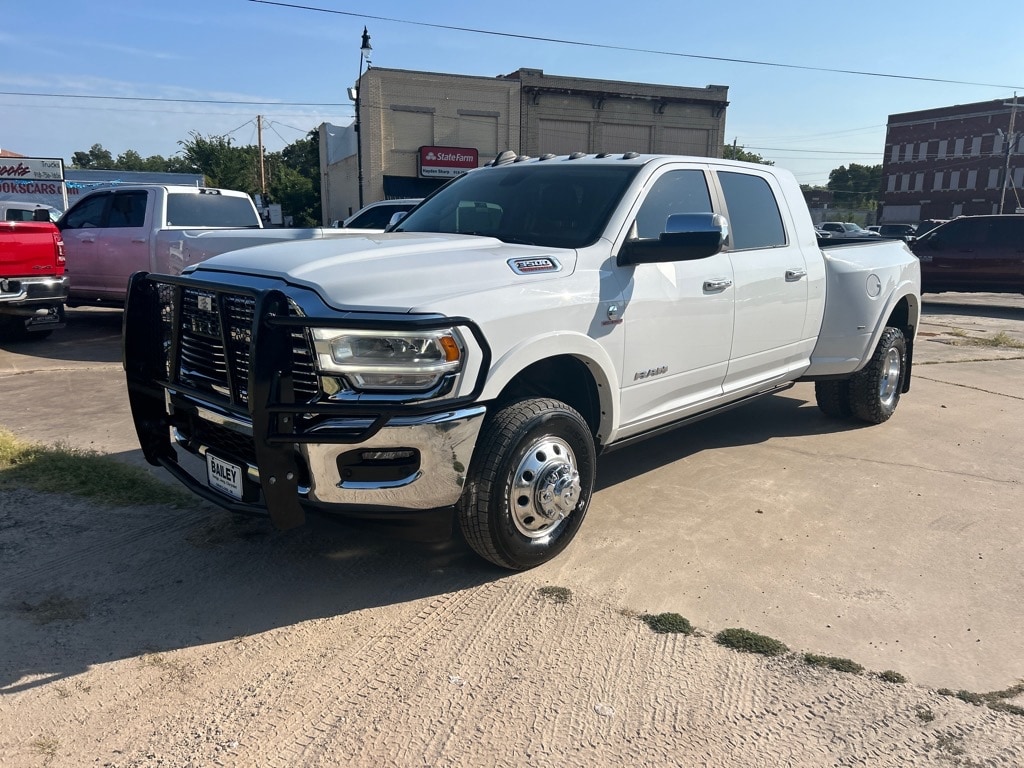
{"x": 365, "y": 50}
{"x": 1011, "y": 139}
{"x": 263, "y": 174}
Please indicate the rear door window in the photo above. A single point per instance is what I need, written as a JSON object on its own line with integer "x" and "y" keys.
{"x": 754, "y": 217}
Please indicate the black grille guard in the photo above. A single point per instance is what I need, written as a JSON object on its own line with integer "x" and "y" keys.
{"x": 151, "y": 367}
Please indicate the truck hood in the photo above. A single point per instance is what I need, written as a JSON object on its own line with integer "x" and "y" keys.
{"x": 395, "y": 272}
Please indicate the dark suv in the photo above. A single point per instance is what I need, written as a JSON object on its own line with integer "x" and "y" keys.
{"x": 973, "y": 253}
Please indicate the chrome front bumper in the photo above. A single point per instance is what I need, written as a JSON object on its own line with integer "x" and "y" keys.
{"x": 443, "y": 442}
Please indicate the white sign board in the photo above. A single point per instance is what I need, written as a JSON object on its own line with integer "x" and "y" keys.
{"x": 33, "y": 180}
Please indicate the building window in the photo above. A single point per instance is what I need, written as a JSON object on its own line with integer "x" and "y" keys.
{"x": 894, "y": 156}
{"x": 976, "y": 146}
{"x": 954, "y": 179}
{"x": 890, "y": 184}
{"x": 938, "y": 181}
{"x": 1018, "y": 178}
{"x": 993, "y": 178}
{"x": 905, "y": 182}
{"x": 908, "y": 152}
{"x": 972, "y": 179}
{"x": 958, "y": 148}
{"x": 943, "y": 146}
{"x": 922, "y": 151}
{"x": 919, "y": 182}
{"x": 997, "y": 144}
{"x": 958, "y": 210}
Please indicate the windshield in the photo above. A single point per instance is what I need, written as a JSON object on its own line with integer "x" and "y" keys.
{"x": 556, "y": 205}
{"x": 851, "y": 227}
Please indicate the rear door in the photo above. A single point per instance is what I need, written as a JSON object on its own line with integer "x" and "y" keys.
{"x": 770, "y": 282}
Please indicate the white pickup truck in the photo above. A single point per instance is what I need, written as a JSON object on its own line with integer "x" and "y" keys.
{"x": 526, "y": 317}
{"x": 111, "y": 233}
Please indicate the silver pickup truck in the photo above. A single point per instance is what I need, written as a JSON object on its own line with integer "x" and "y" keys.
{"x": 111, "y": 233}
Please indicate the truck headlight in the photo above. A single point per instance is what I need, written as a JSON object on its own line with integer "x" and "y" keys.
{"x": 389, "y": 360}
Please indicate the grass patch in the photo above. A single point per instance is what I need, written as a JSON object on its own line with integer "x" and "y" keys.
{"x": 891, "y": 676}
{"x": 750, "y": 642}
{"x": 668, "y": 624}
{"x": 833, "y": 662}
{"x": 924, "y": 714}
{"x": 54, "y": 608}
{"x": 996, "y": 700}
{"x": 555, "y": 594}
{"x": 46, "y": 746}
{"x": 1002, "y": 340}
{"x": 62, "y": 469}
{"x": 174, "y": 669}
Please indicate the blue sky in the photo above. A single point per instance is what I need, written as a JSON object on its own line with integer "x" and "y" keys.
{"x": 295, "y": 65}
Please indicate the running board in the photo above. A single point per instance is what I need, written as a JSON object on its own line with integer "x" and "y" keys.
{"x": 628, "y": 441}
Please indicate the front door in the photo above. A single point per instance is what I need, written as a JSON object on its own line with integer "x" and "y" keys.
{"x": 678, "y": 316}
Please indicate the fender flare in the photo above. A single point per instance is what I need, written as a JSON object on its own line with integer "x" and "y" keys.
{"x": 535, "y": 349}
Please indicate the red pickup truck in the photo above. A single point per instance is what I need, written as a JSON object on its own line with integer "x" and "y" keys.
{"x": 33, "y": 286}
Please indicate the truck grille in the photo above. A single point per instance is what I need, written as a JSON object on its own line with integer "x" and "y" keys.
{"x": 214, "y": 333}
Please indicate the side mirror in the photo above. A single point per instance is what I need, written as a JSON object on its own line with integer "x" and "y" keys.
{"x": 687, "y": 237}
{"x": 396, "y": 217}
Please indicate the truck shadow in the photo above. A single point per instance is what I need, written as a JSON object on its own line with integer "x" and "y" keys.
{"x": 932, "y": 306}
{"x": 91, "y": 335}
{"x": 775, "y": 416}
{"x": 86, "y": 584}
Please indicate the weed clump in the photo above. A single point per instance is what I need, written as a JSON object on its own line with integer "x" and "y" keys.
{"x": 750, "y": 642}
{"x": 833, "y": 662}
{"x": 668, "y": 624}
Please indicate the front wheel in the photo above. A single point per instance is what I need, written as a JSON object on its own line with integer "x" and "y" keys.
{"x": 530, "y": 483}
{"x": 875, "y": 390}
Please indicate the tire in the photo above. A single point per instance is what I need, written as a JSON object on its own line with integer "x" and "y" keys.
{"x": 529, "y": 485}
{"x": 833, "y": 397}
{"x": 875, "y": 390}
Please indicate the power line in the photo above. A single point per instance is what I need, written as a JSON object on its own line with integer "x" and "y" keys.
{"x": 627, "y": 49}
{"x": 177, "y": 101}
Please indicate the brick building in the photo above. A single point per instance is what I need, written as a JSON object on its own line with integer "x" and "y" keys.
{"x": 953, "y": 161}
{"x": 407, "y": 119}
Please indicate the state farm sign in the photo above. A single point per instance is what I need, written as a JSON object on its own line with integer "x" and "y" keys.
{"x": 447, "y": 162}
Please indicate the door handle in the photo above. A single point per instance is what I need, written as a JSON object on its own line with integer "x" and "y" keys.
{"x": 795, "y": 274}
{"x": 138, "y": 239}
{"x": 717, "y": 285}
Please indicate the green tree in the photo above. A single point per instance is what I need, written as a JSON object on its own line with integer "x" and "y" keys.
{"x": 223, "y": 165}
{"x": 856, "y": 186}
{"x": 733, "y": 152}
{"x": 295, "y": 180}
{"x": 96, "y": 158}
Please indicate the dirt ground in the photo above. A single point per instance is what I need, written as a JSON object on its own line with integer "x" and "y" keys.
{"x": 151, "y": 636}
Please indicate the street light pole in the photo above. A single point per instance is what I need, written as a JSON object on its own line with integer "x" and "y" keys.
{"x": 1010, "y": 139}
{"x": 364, "y": 56}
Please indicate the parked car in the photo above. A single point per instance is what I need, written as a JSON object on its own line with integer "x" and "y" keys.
{"x": 526, "y": 317}
{"x": 874, "y": 228}
{"x": 903, "y": 231}
{"x": 33, "y": 286}
{"x": 973, "y": 253}
{"x": 846, "y": 229}
{"x": 14, "y": 210}
{"x": 923, "y": 227}
{"x": 111, "y": 233}
{"x": 377, "y": 216}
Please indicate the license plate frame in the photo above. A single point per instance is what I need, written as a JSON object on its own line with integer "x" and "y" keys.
{"x": 225, "y": 476}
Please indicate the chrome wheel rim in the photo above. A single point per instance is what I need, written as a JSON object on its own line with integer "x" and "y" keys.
{"x": 889, "y": 385}
{"x": 545, "y": 487}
